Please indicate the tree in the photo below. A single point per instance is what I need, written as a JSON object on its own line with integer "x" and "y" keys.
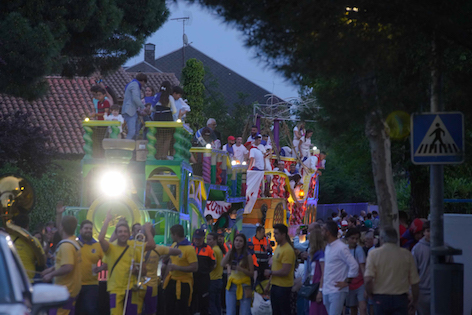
{"x": 39, "y": 38}
{"x": 192, "y": 80}
{"x": 369, "y": 57}
{"x": 216, "y": 107}
{"x": 22, "y": 144}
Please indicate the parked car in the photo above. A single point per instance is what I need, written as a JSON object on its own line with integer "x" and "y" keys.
{"x": 17, "y": 295}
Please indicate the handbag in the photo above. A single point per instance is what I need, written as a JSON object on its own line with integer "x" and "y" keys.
{"x": 309, "y": 291}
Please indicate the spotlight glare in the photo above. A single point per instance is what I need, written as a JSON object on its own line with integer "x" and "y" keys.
{"x": 86, "y": 119}
{"x": 208, "y": 146}
{"x": 244, "y": 163}
{"x": 233, "y": 162}
{"x": 113, "y": 184}
{"x": 178, "y": 120}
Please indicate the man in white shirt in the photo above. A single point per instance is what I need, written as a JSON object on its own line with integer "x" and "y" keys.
{"x": 254, "y": 133}
{"x": 304, "y": 145}
{"x": 256, "y": 158}
{"x": 229, "y": 147}
{"x": 266, "y": 149}
{"x": 239, "y": 150}
{"x": 340, "y": 268}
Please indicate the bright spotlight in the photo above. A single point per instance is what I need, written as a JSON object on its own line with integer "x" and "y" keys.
{"x": 178, "y": 120}
{"x": 86, "y": 119}
{"x": 233, "y": 162}
{"x": 315, "y": 148}
{"x": 208, "y": 146}
{"x": 189, "y": 174}
{"x": 113, "y": 184}
{"x": 244, "y": 163}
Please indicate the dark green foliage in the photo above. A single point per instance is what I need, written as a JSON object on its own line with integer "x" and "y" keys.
{"x": 192, "y": 81}
{"x": 348, "y": 174}
{"x": 22, "y": 144}
{"x": 61, "y": 181}
{"x": 230, "y": 123}
{"x": 39, "y": 38}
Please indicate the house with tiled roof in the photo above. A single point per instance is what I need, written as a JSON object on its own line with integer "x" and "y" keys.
{"x": 66, "y": 104}
{"x": 230, "y": 83}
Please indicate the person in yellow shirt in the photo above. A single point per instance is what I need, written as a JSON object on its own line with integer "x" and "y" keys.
{"x": 66, "y": 271}
{"x": 283, "y": 265}
{"x": 87, "y": 302}
{"x": 240, "y": 267}
{"x": 151, "y": 259}
{"x": 120, "y": 258}
{"x": 178, "y": 284}
{"x": 216, "y": 275}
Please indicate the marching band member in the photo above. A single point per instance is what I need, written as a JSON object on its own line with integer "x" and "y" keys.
{"x": 178, "y": 284}
{"x": 119, "y": 258}
{"x": 66, "y": 271}
{"x": 151, "y": 259}
{"x": 87, "y": 302}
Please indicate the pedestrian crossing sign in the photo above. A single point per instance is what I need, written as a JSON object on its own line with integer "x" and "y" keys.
{"x": 437, "y": 138}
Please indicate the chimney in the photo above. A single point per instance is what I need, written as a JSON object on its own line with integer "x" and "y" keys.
{"x": 150, "y": 53}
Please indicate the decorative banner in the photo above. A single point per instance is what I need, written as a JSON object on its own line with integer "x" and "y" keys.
{"x": 216, "y": 208}
{"x": 253, "y": 182}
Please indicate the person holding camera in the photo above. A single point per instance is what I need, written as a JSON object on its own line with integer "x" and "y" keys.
{"x": 240, "y": 271}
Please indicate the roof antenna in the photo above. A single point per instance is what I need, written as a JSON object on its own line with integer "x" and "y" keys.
{"x": 185, "y": 20}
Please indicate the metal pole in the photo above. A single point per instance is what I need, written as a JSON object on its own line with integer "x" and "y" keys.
{"x": 436, "y": 186}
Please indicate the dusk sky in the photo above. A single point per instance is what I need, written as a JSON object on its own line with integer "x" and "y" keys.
{"x": 219, "y": 41}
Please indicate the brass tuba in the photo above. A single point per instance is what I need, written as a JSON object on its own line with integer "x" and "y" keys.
{"x": 17, "y": 197}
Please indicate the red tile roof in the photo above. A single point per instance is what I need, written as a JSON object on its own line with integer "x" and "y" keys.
{"x": 67, "y": 103}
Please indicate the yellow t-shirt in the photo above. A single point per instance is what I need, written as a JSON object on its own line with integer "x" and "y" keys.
{"x": 118, "y": 279}
{"x": 283, "y": 255}
{"x": 91, "y": 254}
{"x": 187, "y": 257}
{"x": 27, "y": 256}
{"x": 67, "y": 254}
{"x": 152, "y": 263}
{"x": 217, "y": 273}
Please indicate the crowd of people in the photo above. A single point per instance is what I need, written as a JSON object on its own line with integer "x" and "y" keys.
{"x": 165, "y": 105}
{"x": 341, "y": 266}
{"x": 168, "y": 105}
{"x": 347, "y": 264}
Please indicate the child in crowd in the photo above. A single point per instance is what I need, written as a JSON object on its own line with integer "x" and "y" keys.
{"x": 180, "y": 104}
{"x": 103, "y": 106}
{"x": 145, "y": 115}
{"x": 115, "y": 116}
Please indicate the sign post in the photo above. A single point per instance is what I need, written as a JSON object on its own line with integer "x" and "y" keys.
{"x": 437, "y": 139}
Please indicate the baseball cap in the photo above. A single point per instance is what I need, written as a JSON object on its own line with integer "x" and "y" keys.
{"x": 257, "y": 137}
{"x": 248, "y": 144}
{"x": 344, "y": 223}
{"x": 231, "y": 138}
{"x": 199, "y": 233}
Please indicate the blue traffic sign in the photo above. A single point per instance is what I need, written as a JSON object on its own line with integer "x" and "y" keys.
{"x": 437, "y": 138}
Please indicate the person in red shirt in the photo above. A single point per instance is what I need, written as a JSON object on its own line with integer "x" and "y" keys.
{"x": 403, "y": 218}
{"x": 103, "y": 106}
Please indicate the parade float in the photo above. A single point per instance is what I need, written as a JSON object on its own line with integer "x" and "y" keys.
{"x": 140, "y": 182}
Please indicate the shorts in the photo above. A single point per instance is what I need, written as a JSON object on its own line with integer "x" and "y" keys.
{"x": 150, "y": 299}
{"x": 133, "y": 307}
{"x": 66, "y": 309}
{"x": 355, "y": 296}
